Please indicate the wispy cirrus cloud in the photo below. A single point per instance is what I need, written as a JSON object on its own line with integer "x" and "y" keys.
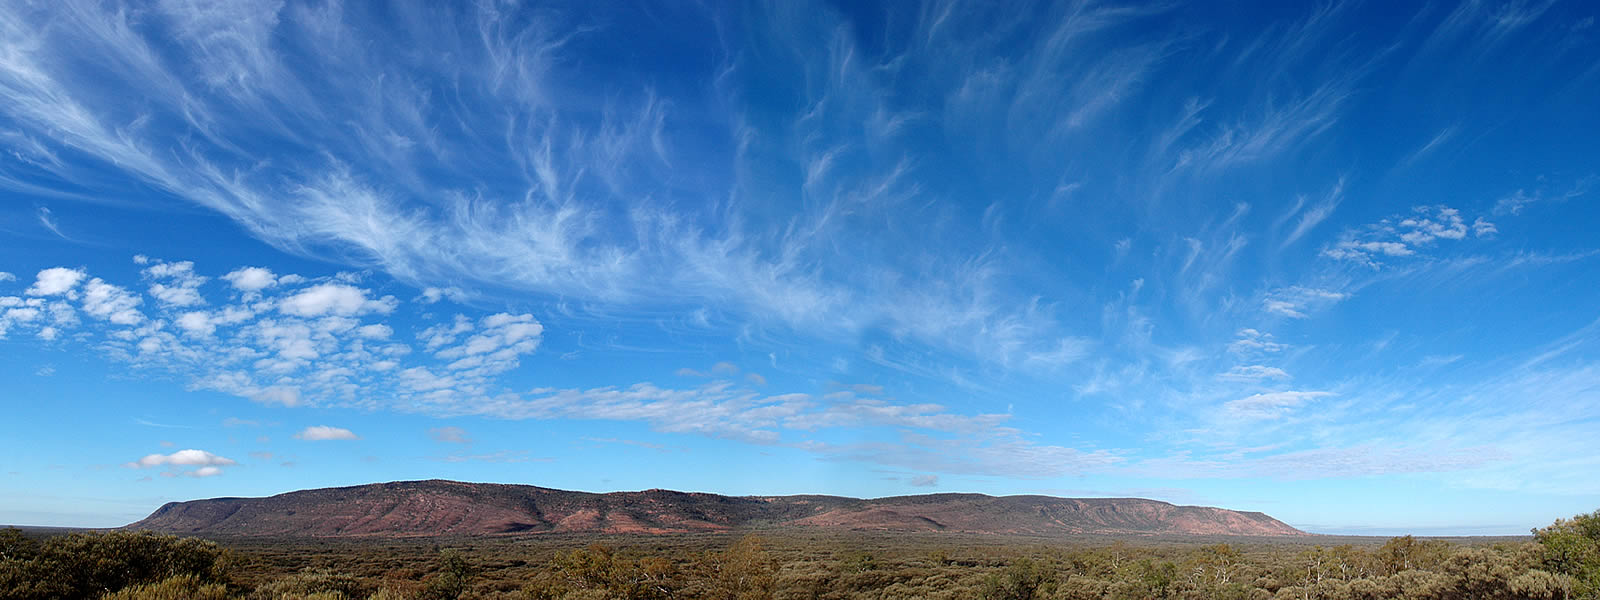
{"x": 367, "y": 194}
{"x": 1270, "y": 405}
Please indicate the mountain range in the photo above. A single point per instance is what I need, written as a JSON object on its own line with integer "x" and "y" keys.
{"x": 437, "y": 507}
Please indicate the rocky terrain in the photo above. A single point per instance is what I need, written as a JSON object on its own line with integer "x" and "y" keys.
{"x": 425, "y": 508}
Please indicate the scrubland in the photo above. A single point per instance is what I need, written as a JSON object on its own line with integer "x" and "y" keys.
{"x": 1558, "y": 562}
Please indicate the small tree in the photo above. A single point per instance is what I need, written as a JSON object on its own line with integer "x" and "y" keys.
{"x": 743, "y": 572}
{"x": 1022, "y": 580}
{"x": 1572, "y": 548}
{"x": 455, "y": 572}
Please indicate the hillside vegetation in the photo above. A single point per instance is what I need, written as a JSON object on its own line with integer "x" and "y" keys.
{"x": 1561, "y": 561}
{"x": 435, "y": 507}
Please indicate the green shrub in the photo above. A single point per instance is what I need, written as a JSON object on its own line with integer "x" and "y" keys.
{"x": 312, "y": 584}
{"x": 89, "y": 565}
{"x": 1022, "y": 580}
{"x": 1572, "y": 548}
{"x": 177, "y": 587}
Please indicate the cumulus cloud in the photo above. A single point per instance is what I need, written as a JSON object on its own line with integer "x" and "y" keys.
{"x": 175, "y": 284}
{"x": 375, "y": 331}
{"x": 325, "y": 343}
{"x": 111, "y": 303}
{"x": 324, "y": 432}
{"x": 1405, "y": 236}
{"x": 55, "y": 281}
{"x": 182, "y": 458}
{"x": 251, "y": 279}
{"x": 334, "y": 299}
{"x": 196, "y": 323}
{"x": 432, "y": 295}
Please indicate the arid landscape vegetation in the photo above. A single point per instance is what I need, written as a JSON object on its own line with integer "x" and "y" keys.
{"x": 645, "y": 546}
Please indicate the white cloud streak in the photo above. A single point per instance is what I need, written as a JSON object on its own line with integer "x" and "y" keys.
{"x": 320, "y": 433}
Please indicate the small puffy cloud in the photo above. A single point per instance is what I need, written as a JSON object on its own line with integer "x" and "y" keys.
{"x": 176, "y": 283}
{"x": 333, "y": 299}
{"x": 725, "y": 368}
{"x": 4, "y": 277}
{"x": 925, "y": 481}
{"x": 111, "y": 303}
{"x": 756, "y": 378}
{"x": 1401, "y": 237}
{"x": 55, "y": 281}
{"x": 375, "y": 332}
{"x": 453, "y": 435}
{"x": 196, "y": 323}
{"x": 1433, "y": 223}
{"x": 205, "y": 472}
{"x": 251, "y": 279}
{"x": 1271, "y": 405}
{"x": 317, "y": 433}
{"x": 432, "y": 295}
{"x": 182, "y": 458}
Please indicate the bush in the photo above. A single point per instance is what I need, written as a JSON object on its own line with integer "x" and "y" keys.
{"x": 1023, "y": 580}
{"x": 1572, "y": 548}
{"x": 178, "y": 587}
{"x": 89, "y": 565}
{"x": 318, "y": 584}
{"x": 451, "y": 580}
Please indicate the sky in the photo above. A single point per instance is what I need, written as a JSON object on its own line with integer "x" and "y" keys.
{"x": 1336, "y": 263}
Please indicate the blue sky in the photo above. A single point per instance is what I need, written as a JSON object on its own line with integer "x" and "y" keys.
{"x": 1336, "y": 263}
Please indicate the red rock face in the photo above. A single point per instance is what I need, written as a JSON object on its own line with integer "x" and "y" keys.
{"x": 427, "y": 508}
